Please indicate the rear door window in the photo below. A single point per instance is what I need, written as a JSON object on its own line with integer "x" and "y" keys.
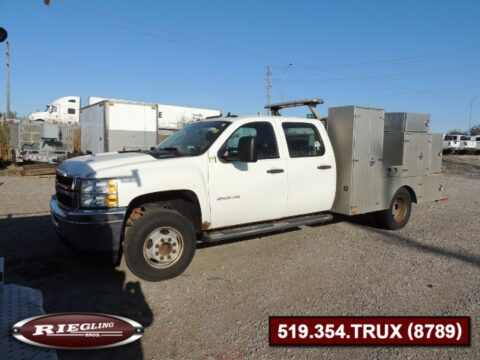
{"x": 303, "y": 140}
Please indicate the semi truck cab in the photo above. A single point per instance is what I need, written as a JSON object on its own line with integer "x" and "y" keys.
{"x": 63, "y": 110}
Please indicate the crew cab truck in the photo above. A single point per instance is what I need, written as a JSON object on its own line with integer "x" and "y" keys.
{"x": 230, "y": 177}
{"x": 477, "y": 143}
{"x": 451, "y": 144}
{"x": 468, "y": 145}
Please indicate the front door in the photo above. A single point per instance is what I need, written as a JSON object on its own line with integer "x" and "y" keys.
{"x": 242, "y": 193}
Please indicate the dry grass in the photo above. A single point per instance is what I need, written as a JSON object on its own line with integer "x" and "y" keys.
{"x": 10, "y": 170}
{"x": 4, "y": 142}
{"x": 77, "y": 138}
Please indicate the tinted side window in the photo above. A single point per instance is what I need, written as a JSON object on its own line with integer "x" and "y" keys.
{"x": 266, "y": 142}
{"x": 71, "y": 111}
{"x": 303, "y": 140}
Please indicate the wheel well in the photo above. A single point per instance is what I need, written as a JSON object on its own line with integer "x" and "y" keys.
{"x": 183, "y": 201}
{"x": 412, "y": 193}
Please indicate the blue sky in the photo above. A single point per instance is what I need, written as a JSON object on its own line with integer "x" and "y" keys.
{"x": 421, "y": 56}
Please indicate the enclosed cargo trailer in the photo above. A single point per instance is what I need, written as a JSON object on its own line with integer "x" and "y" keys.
{"x": 115, "y": 125}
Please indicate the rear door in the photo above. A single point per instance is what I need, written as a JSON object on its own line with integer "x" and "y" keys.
{"x": 311, "y": 173}
{"x": 92, "y": 120}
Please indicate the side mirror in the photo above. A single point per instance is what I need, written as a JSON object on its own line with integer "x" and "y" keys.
{"x": 247, "y": 149}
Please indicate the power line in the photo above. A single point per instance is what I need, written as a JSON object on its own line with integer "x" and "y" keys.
{"x": 128, "y": 25}
{"x": 408, "y": 59}
{"x": 123, "y": 75}
{"x": 407, "y": 75}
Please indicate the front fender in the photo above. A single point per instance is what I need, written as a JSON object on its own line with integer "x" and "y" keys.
{"x": 187, "y": 176}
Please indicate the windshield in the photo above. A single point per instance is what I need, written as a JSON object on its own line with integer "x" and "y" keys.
{"x": 193, "y": 139}
{"x": 451, "y": 137}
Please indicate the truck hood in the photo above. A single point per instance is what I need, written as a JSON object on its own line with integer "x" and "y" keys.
{"x": 94, "y": 166}
{"x": 38, "y": 115}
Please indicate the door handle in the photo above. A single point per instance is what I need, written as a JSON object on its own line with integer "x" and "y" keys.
{"x": 275, "y": 171}
{"x": 324, "y": 167}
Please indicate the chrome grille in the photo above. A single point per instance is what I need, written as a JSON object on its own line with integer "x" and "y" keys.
{"x": 67, "y": 194}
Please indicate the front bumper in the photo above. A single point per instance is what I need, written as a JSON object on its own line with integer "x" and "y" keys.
{"x": 90, "y": 230}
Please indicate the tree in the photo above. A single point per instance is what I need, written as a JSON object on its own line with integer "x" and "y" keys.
{"x": 456, "y": 132}
{"x": 13, "y": 115}
{"x": 475, "y": 130}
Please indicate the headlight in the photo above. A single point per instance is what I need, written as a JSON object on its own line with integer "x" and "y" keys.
{"x": 99, "y": 193}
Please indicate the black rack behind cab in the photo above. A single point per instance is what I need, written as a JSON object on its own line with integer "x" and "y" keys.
{"x": 311, "y": 103}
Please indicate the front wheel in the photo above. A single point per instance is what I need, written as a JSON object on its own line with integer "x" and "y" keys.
{"x": 398, "y": 213}
{"x": 159, "y": 245}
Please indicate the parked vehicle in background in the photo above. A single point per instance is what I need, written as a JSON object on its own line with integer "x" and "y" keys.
{"x": 65, "y": 110}
{"x": 38, "y": 141}
{"x": 451, "y": 144}
{"x": 117, "y": 125}
{"x": 48, "y": 136}
{"x": 225, "y": 178}
{"x": 468, "y": 145}
{"x": 477, "y": 143}
{"x": 171, "y": 118}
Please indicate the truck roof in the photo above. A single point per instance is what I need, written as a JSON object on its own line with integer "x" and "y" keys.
{"x": 259, "y": 118}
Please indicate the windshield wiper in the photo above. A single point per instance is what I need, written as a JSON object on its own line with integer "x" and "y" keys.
{"x": 169, "y": 148}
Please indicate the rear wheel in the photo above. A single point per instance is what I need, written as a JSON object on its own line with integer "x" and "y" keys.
{"x": 159, "y": 245}
{"x": 398, "y": 213}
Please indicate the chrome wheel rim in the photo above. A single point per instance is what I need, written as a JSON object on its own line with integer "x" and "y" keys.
{"x": 163, "y": 247}
{"x": 399, "y": 209}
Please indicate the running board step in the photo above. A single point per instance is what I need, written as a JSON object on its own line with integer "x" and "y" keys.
{"x": 256, "y": 229}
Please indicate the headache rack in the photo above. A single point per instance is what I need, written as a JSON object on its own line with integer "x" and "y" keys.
{"x": 311, "y": 103}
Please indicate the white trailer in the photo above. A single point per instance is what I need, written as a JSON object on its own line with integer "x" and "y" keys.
{"x": 117, "y": 125}
{"x": 65, "y": 110}
{"x": 171, "y": 117}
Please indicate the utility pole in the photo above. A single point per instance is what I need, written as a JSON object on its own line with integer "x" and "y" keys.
{"x": 470, "y": 118}
{"x": 8, "y": 80}
{"x": 3, "y": 37}
{"x": 268, "y": 82}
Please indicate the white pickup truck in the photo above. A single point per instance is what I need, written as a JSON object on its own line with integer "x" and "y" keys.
{"x": 230, "y": 177}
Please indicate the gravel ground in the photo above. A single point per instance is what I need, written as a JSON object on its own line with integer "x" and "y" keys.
{"x": 219, "y": 308}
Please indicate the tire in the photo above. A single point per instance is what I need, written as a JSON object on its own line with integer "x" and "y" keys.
{"x": 159, "y": 245}
{"x": 398, "y": 213}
